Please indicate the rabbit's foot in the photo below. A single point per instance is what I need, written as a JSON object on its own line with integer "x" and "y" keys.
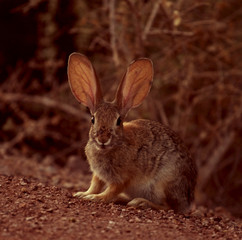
{"x": 122, "y": 199}
{"x": 92, "y": 197}
{"x": 87, "y": 196}
{"x": 143, "y": 204}
{"x": 97, "y": 197}
{"x": 105, "y": 196}
{"x": 80, "y": 194}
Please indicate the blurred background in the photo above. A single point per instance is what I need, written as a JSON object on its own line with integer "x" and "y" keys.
{"x": 196, "y": 48}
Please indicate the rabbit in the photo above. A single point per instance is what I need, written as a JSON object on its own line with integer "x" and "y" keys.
{"x": 141, "y": 163}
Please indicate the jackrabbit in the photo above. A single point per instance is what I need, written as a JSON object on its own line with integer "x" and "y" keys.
{"x": 142, "y": 163}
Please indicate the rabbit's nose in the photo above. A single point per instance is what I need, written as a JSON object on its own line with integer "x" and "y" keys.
{"x": 104, "y": 136}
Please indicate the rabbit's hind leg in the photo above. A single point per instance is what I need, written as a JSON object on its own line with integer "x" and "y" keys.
{"x": 122, "y": 199}
{"x": 144, "y": 204}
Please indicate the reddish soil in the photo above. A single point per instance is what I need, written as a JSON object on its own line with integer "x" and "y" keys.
{"x": 36, "y": 203}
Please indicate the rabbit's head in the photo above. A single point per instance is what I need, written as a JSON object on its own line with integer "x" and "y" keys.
{"x": 107, "y": 118}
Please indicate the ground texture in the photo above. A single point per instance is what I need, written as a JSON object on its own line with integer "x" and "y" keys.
{"x": 36, "y": 203}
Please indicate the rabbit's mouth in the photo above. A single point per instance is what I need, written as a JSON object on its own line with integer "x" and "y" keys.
{"x": 103, "y": 145}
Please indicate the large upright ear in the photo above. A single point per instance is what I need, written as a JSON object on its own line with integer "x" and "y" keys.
{"x": 135, "y": 85}
{"x": 83, "y": 81}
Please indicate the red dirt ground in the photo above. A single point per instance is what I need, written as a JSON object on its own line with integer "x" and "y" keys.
{"x": 36, "y": 203}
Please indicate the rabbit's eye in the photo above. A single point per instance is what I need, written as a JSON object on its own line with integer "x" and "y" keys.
{"x": 119, "y": 121}
{"x": 93, "y": 120}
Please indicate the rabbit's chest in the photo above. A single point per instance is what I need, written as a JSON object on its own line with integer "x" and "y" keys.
{"x": 106, "y": 166}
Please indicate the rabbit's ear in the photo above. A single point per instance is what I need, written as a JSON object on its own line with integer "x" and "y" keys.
{"x": 83, "y": 81}
{"x": 135, "y": 85}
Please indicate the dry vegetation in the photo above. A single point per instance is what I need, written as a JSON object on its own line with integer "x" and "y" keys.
{"x": 196, "y": 47}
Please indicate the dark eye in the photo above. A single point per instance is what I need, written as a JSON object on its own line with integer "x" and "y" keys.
{"x": 93, "y": 120}
{"x": 119, "y": 121}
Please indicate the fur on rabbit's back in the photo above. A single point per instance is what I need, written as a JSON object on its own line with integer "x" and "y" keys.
{"x": 157, "y": 147}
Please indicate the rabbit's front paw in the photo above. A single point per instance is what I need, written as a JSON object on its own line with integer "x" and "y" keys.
{"x": 92, "y": 197}
{"x": 80, "y": 194}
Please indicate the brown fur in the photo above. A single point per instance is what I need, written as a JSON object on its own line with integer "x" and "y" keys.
{"x": 142, "y": 162}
